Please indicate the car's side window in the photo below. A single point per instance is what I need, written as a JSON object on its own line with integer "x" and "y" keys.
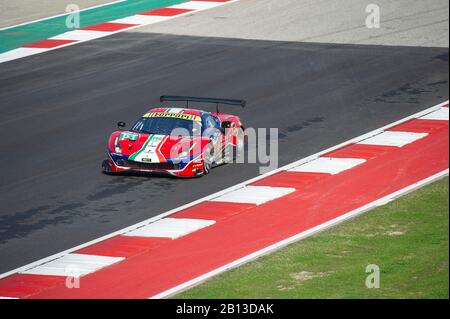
{"x": 216, "y": 122}
{"x": 210, "y": 124}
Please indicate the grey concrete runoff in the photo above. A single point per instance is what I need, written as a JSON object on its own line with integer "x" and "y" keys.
{"x": 402, "y": 22}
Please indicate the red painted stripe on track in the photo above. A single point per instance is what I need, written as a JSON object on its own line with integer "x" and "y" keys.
{"x": 48, "y": 44}
{"x": 24, "y": 285}
{"x": 165, "y": 12}
{"x": 420, "y": 126}
{"x": 237, "y": 236}
{"x": 361, "y": 151}
{"x": 123, "y": 246}
{"x": 109, "y": 27}
{"x": 291, "y": 179}
{"x": 213, "y": 210}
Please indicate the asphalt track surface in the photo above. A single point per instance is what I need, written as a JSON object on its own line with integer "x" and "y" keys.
{"x": 58, "y": 108}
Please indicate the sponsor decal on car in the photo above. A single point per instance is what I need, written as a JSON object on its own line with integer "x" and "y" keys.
{"x": 128, "y": 135}
{"x": 189, "y": 117}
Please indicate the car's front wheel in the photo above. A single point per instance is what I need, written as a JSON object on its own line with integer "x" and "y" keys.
{"x": 240, "y": 143}
{"x": 208, "y": 159}
{"x": 106, "y": 167}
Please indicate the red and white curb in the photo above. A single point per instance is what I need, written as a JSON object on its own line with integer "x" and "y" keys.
{"x": 164, "y": 255}
{"x": 300, "y": 236}
{"x": 112, "y": 27}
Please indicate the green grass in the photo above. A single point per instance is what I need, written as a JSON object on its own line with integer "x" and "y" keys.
{"x": 407, "y": 239}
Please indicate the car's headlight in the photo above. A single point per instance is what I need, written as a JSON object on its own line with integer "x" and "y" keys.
{"x": 117, "y": 147}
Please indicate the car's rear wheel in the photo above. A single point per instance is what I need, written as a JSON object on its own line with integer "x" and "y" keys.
{"x": 234, "y": 151}
{"x": 240, "y": 143}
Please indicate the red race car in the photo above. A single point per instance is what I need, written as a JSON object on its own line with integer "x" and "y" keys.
{"x": 182, "y": 142}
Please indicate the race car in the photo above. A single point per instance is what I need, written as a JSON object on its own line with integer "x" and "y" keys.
{"x": 182, "y": 142}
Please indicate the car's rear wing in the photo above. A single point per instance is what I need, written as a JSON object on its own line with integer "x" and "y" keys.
{"x": 216, "y": 101}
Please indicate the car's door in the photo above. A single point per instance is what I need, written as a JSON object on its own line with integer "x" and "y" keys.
{"x": 213, "y": 131}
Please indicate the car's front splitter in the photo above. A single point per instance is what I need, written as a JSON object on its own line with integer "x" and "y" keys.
{"x": 193, "y": 168}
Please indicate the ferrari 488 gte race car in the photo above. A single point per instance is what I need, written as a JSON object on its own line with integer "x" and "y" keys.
{"x": 182, "y": 142}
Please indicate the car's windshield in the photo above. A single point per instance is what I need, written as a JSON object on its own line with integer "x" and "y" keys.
{"x": 166, "y": 126}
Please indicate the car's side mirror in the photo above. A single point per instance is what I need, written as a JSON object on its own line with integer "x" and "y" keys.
{"x": 226, "y": 125}
{"x": 121, "y": 125}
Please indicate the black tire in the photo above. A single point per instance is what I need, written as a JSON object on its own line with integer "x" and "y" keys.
{"x": 240, "y": 143}
{"x": 228, "y": 154}
{"x": 106, "y": 169}
{"x": 231, "y": 152}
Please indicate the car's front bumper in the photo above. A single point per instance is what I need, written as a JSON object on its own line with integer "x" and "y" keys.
{"x": 120, "y": 164}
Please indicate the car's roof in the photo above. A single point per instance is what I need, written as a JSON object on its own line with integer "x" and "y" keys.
{"x": 177, "y": 110}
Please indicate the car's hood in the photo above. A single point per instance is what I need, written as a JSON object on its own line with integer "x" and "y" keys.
{"x": 152, "y": 148}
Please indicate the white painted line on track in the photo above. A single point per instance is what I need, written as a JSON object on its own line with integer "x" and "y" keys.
{"x": 80, "y": 35}
{"x": 19, "y": 53}
{"x": 440, "y": 114}
{"x": 254, "y": 194}
{"x": 81, "y": 264}
{"x": 171, "y": 228}
{"x": 393, "y": 138}
{"x": 196, "y": 5}
{"x": 141, "y": 19}
{"x": 227, "y": 190}
{"x": 328, "y": 165}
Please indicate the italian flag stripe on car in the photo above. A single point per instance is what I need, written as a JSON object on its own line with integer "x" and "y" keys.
{"x": 134, "y": 155}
